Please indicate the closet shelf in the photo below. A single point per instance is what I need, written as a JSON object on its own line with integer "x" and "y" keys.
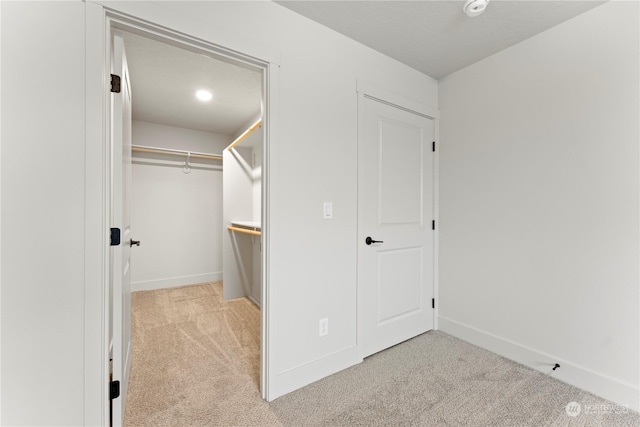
{"x": 245, "y": 134}
{"x": 159, "y": 150}
{"x": 247, "y": 227}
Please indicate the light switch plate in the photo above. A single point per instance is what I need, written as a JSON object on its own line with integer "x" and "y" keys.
{"x": 327, "y": 212}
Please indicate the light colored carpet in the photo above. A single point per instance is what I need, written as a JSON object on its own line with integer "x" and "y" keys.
{"x": 196, "y": 360}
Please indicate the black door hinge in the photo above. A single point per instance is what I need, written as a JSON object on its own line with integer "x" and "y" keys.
{"x": 433, "y": 303}
{"x": 115, "y": 83}
{"x": 114, "y": 391}
{"x": 433, "y": 224}
{"x": 115, "y": 236}
{"x": 434, "y": 146}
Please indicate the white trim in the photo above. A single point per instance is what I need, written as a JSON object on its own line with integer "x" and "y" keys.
{"x": 0, "y": 229}
{"x": 388, "y": 97}
{"x": 307, "y": 373}
{"x": 638, "y": 236}
{"x": 172, "y": 282}
{"x": 570, "y": 373}
{"x": 269, "y": 224}
{"x": 96, "y": 279}
{"x": 97, "y": 202}
{"x": 436, "y": 217}
{"x": 359, "y": 230}
{"x": 212, "y": 35}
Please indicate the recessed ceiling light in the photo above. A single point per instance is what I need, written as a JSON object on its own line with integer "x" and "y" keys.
{"x": 204, "y": 95}
{"x": 475, "y": 7}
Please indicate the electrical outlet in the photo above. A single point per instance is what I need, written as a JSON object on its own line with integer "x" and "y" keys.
{"x": 324, "y": 327}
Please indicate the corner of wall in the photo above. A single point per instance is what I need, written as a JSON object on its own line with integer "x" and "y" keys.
{"x": 569, "y": 372}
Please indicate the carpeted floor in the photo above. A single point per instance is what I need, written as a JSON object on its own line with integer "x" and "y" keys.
{"x": 196, "y": 362}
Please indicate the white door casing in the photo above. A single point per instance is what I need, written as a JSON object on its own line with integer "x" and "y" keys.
{"x": 395, "y": 200}
{"x": 100, "y": 122}
{"x": 120, "y": 218}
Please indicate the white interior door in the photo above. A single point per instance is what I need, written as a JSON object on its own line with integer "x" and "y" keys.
{"x": 120, "y": 218}
{"x": 396, "y": 203}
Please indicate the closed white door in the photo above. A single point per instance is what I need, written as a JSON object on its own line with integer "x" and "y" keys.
{"x": 395, "y": 232}
{"x": 120, "y": 218}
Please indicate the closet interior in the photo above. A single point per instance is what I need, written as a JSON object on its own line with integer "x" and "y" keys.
{"x": 196, "y": 169}
{"x": 242, "y": 207}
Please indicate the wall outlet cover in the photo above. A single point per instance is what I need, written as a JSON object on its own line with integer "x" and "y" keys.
{"x": 323, "y": 327}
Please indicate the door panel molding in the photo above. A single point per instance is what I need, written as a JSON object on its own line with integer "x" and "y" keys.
{"x": 393, "y": 174}
{"x": 404, "y": 256}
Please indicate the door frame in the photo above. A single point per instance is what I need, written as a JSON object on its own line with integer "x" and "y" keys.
{"x": 368, "y": 90}
{"x": 100, "y": 22}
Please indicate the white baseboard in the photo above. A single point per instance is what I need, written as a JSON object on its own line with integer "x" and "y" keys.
{"x": 288, "y": 380}
{"x": 599, "y": 384}
{"x": 172, "y": 282}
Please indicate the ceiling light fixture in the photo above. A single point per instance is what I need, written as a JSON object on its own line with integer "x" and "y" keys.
{"x": 204, "y": 95}
{"x": 475, "y": 7}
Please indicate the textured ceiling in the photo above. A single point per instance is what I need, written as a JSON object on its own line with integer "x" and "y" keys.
{"x": 436, "y": 37}
{"x": 164, "y": 80}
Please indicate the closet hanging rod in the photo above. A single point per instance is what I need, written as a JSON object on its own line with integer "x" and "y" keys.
{"x": 158, "y": 150}
{"x": 245, "y": 134}
{"x": 244, "y": 230}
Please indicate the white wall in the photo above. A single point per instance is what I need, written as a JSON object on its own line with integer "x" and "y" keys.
{"x": 539, "y": 202}
{"x": 237, "y": 206}
{"x": 176, "y": 216}
{"x": 256, "y": 285}
{"x": 242, "y": 202}
{"x": 158, "y": 135}
{"x": 43, "y": 173}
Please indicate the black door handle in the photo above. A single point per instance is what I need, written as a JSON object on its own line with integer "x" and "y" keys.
{"x": 369, "y": 241}
{"x": 134, "y": 242}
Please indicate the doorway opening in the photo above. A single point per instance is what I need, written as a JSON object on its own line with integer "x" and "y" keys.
{"x": 195, "y": 226}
